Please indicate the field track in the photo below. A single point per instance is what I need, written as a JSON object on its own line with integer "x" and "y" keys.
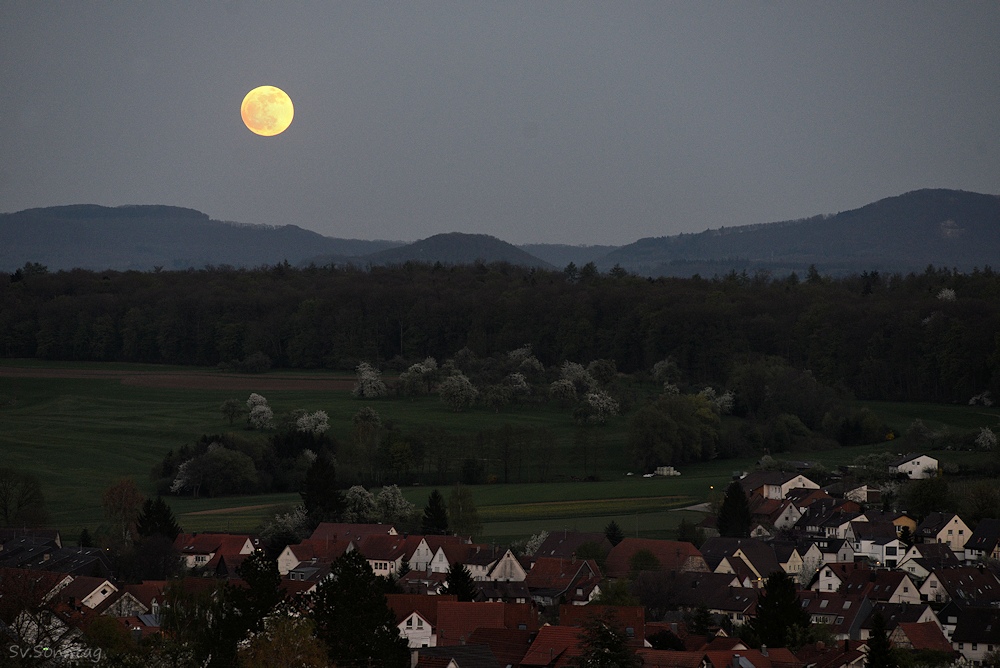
{"x": 193, "y": 380}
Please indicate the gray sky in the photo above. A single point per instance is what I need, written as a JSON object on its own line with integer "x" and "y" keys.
{"x": 566, "y": 122}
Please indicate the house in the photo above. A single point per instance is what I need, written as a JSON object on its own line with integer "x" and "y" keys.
{"x": 629, "y": 618}
{"x": 87, "y": 592}
{"x": 788, "y": 557}
{"x": 385, "y": 552}
{"x": 670, "y": 555}
{"x": 947, "y": 528}
{"x": 573, "y": 581}
{"x": 777, "y": 513}
{"x": 843, "y": 614}
{"x": 900, "y": 521}
{"x": 915, "y": 466}
{"x": 478, "y": 558}
{"x": 766, "y": 657}
{"x": 507, "y": 568}
{"x": 878, "y": 543}
{"x": 554, "y": 647}
{"x": 425, "y": 549}
{"x": 347, "y": 531}
{"x": 881, "y": 585}
{"x": 846, "y": 654}
{"x": 984, "y": 543}
{"x": 923, "y": 558}
{"x": 502, "y": 591}
{"x": 416, "y": 617}
{"x": 774, "y": 484}
{"x": 739, "y": 555}
{"x": 454, "y": 656}
{"x": 977, "y": 633}
{"x": 964, "y": 584}
{"x": 457, "y": 620}
{"x": 894, "y": 614}
{"x": 920, "y": 636}
{"x": 312, "y": 551}
{"x": 663, "y": 658}
{"x": 832, "y": 577}
{"x": 198, "y": 550}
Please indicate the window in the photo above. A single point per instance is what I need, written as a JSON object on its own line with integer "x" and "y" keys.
{"x": 409, "y": 622}
{"x": 975, "y": 646}
{"x": 630, "y": 631}
{"x": 906, "y": 590}
{"x": 890, "y": 551}
{"x": 840, "y": 620}
{"x": 420, "y": 623}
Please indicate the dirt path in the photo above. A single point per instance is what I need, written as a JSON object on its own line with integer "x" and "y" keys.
{"x": 193, "y": 380}
{"x": 223, "y": 511}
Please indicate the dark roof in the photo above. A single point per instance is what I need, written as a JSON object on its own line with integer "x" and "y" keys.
{"x": 925, "y": 636}
{"x": 969, "y": 584}
{"x": 473, "y": 656}
{"x": 896, "y": 613}
{"x": 758, "y": 554}
{"x": 508, "y": 645}
{"x": 933, "y": 524}
{"x": 565, "y": 543}
{"x": 899, "y": 461}
{"x": 985, "y": 537}
{"x": 672, "y": 555}
{"x": 978, "y": 625}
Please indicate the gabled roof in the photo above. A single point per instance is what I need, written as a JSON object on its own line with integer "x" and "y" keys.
{"x": 874, "y": 530}
{"x": 837, "y": 655}
{"x": 662, "y": 658}
{"x": 803, "y": 497}
{"x": 147, "y": 591}
{"x": 835, "y": 605}
{"x": 939, "y": 554}
{"x": 777, "y": 657}
{"x": 344, "y": 530}
{"x": 968, "y": 583}
{"x": 319, "y": 549}
{"x": 558, "y": 575}
{"x": 758, "y": 554}
{"x": 925, "y": 636}
{"x": 383, "y": 547}
{"x": 694, "y": 589}
{"x": 565, "y": 543}
{"x": 554, "y": 646}
{"x": 979, "y": 625}
{"x": 877, "y": 585}
{"x": 985, "y": 537}
{"x": 403, "y": 605}
{"x": 672, "y": 555}
{"x": 625, "y": 617}
{"x": 456, "y": 620}
{"x": 896, "y": 613}
{"x": 471, "y": 656}
{"x": 82, "y": 586}
{"x": 508, "y": 645}
{"x": 933, "y": 524}
{"x": 899, "y": 461}
{"x": 210, "y": 543}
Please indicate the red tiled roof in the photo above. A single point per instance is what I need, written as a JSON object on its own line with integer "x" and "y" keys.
{"x": 671, "y": 554}
{"x": 403, "y": 605}
{"x": 383, "y": 547}
{"x": 320, "y": 549}
{"x": 508, "y": 645}
{"x": 210, "y": 543}
{"x": 456, "y": 620}
{"x": 662, "y": 658}
{"x": 83, "y": 586}
{"x": 554, "y": 646}
{"x": 925, "y": 635}
{"x": 559, "y": 574}
{"x": 342, "y": 530}
{"x": 625, "y": 616}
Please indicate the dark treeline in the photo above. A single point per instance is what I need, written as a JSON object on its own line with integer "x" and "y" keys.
{"x": 931, "y": 336}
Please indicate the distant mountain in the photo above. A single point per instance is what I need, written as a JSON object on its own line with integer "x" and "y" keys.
{"x": 946, "y": 228}
{"x": 143, "y": 237}
{"x": 561, "y": 255}
{"x": 458, "y": 248}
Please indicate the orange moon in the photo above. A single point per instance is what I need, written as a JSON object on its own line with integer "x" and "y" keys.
{"x": 267, "y": 111}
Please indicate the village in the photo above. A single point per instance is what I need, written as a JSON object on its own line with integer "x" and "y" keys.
{"x": 931, "y": 586}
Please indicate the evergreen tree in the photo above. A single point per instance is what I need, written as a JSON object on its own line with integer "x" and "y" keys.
{"x": 880, "y": 654}
{"x": 156, "y": 518}
{"x": 605, "y": 645}
{"x": 353, "y": 618}
{"x": 613, "y": 532}
{"x": 435, "y": 521}
{"x": 85, "y": 539}
{"x": 323, "y": 501}
{"x": 463, "y": 517}
{"x": 780, "y": 616}
{"x": 700, "y": 621}
{"x": 459, "y": 583}
{"x": 734, "y": 515}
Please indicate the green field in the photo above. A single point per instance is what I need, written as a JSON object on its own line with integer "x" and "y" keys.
{"x": 78, "y": 435}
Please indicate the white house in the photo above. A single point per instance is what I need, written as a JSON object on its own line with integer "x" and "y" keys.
{"x": 915, "y": 466}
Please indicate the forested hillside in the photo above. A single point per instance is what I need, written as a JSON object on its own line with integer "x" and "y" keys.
{"x": 930, "y": 336}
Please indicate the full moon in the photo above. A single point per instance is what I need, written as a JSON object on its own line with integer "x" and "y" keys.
{"x": 267, "y": 111}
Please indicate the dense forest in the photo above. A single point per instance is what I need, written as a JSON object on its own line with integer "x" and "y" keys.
{"x": 931, "y": 336}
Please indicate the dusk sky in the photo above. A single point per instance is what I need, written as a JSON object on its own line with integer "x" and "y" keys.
{"x": 565, "y": 122}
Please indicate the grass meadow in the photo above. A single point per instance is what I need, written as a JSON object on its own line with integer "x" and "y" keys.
{"x": 80, "y": 434}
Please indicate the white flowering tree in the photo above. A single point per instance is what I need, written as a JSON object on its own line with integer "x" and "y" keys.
{"x": 563, "y": 391}
{"x": 721, "y": 403}
{"x": 666, "y": 371}
{"x": 369, "y": 385}
{"x": 458, "y": 392}
{"x": 313, "y": 423}
{"x": 602, "y": 406}
{"x": 261, "y": 416}
{"x": 986, "y": 440}
{"x": 946, "y": 295}
{"x": 580, "y": 377}
{"x": 420, "y": 377}
{"x": 359, "y": 506}
{"x": 392, "y": 508}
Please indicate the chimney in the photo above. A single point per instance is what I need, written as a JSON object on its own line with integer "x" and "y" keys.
{"x": 736, "y": 661}
{"x": 763, "y": 650}
{"x": 673, "y": 627}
